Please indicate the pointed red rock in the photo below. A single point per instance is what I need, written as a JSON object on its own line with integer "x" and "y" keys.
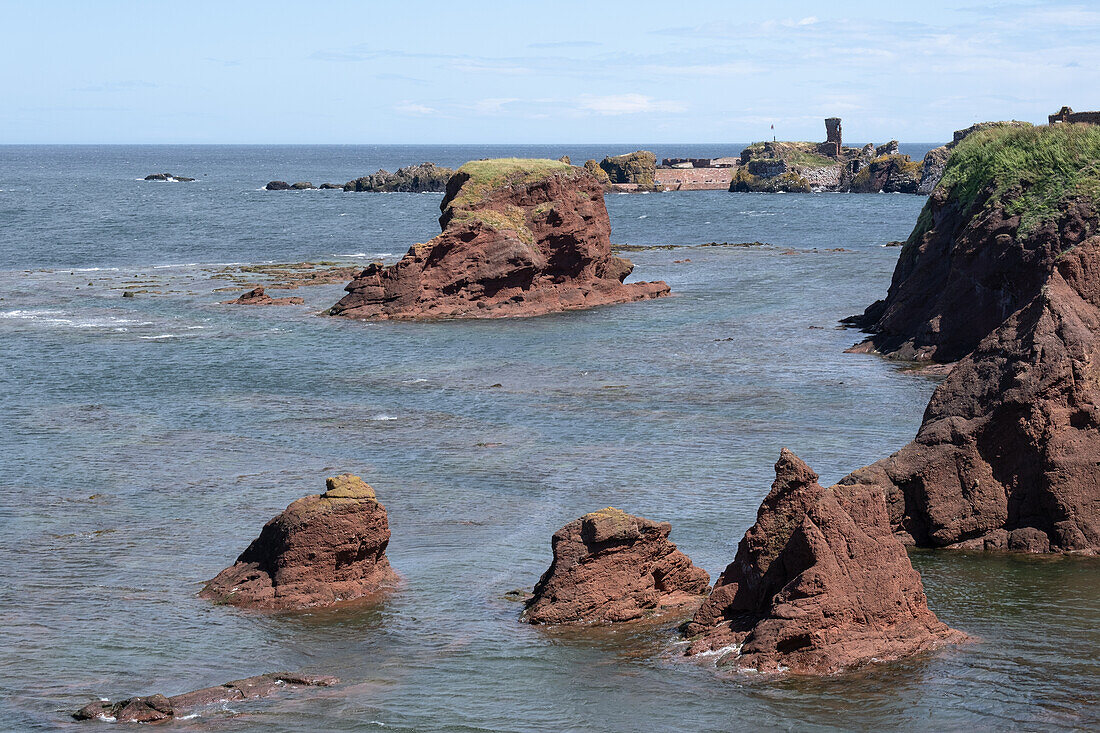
{"x": 819, "y": 585}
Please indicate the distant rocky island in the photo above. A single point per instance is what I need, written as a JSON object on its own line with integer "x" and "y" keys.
{"x": 421, "y": 178}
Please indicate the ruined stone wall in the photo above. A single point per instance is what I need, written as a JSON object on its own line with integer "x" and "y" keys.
{"x": 694, "y": 179}
{"x": 832, "y": 135}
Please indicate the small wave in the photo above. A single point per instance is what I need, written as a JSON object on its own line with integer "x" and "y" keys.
{"x": 185, "y": 264}
{"x": 383, "y": 418}
{"x": 644, "y": 216}
{"x": 415, "y": 381}
{"x": 192, "y": 328}
{"x": 96, "y": 269}
{"x": 162, "y": 337}
{"x": 720, "y": 651}
{"x": 353, "y": 254}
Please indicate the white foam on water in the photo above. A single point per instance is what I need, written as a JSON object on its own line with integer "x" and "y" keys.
{"x": 644, "y": 216}
{"x": 383, "y": 418}
{"x": 95, "y": 269}
{"x": 353, "y": 254}
{"x": 185, "y": 264}
{"x": 721, "y": 651}
{"x": 415, "y": 381}
{"x": 162, "y": 336}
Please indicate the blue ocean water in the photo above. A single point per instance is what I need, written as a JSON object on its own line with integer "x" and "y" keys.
{"x": 144, "y": 441}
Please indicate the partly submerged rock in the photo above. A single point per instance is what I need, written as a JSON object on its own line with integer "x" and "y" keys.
{"x": 157, "y": 708}
{"x": 301, "y": 186}
{"x": 257, "y": 296}
{"x": 277, "y": 186}
{"x": 1011, "y": 201}
{"x": 520, "y": 238}
{"x": 612, "y": 566}
{"x": 819, "y": 585}
{"x": 1008, "y": 454}
{"x": 167, "y": 177}
{"x": 321, "y": 550}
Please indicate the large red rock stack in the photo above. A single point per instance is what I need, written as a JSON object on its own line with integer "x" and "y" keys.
{"x": 520, "y": 238}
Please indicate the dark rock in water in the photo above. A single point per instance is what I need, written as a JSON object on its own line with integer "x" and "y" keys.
{"x": 985, "y": 243}
{"x": 277, "y": 186}
{"x": 321, "y": 550}
{"x": 257, "y": 296}
{"x": 819, "y": 585}
{"x": 331, "y": 186}
{"x": 129, "y": 294}
{"x": 301, "y": 186}
{"x": 156, "y": 708}
{"x": 423, "y": 178}
{"x": 520, "y": 238}
{"x": 612, "y": 566}
{"x": 167, "y": 177}
{"x": 1008, "y": 454}
{"x": 637, "y": 168}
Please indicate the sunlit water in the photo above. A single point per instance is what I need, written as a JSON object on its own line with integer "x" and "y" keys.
{"x": 145, "y": 441}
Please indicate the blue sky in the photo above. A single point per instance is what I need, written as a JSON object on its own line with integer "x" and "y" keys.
{"x": 512, "y": 72}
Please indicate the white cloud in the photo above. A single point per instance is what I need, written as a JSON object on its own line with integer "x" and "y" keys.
{"x": 412, "y": 108}
{"x": 627, "y": 104}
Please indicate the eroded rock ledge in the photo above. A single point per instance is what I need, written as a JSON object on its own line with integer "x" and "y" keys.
{"x": 819, "y": 585}
{"x": 321, "y": 550}
{"x": 612, "y": 566}
{"x": 520, "y": 238}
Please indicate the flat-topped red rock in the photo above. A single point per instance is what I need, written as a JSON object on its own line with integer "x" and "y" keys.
{"x": 520, "y": 238}
{"x": 611, "y": 566}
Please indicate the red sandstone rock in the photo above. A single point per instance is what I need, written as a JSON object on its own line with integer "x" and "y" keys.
{"x": 960, "y": 278}
{"x": 259, "y": 297}
{"x": 319, "y": 551}
{"x": 612, "y": 566}
{"x": 819, "y": 585}
{"x": 157, "y": 708}
{"x": 520, "y": 238}
{"x": 1008, "y": 455}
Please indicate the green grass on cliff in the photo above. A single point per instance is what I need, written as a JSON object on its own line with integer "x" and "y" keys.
{"x": 1042, "y": 167}
{"x": 486, "y": 175}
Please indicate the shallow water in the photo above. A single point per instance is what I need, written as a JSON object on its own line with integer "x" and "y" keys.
{"x": 144, "y": 442}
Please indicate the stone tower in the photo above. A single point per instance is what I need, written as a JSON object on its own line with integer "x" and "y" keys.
{"x": 832, "y": 135}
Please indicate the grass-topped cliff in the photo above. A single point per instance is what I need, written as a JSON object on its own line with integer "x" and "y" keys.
{"x": 793, "y": 152}
{"x": 1033, "y": 172}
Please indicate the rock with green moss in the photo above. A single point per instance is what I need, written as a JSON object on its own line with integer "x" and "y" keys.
{"x": 893, "y": 173}
{"x": 635, "y": 169}
{"x": 786, "y": 182}
{"x": 803, "y": 167}
{"x": 1012, "y": 199}
{"x": 594, "y": 168}
{"x": 520, "y": 237}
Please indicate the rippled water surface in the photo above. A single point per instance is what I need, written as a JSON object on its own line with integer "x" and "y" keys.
{"x": 144, "y": 442}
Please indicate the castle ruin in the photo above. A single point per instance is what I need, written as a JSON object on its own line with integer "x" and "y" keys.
{"x": 1068, "y": 115}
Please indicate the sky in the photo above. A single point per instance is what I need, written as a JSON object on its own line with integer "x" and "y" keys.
{"x": 429, "y": 72}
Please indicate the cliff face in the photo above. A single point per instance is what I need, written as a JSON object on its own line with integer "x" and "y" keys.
{"x": 520, "y": 238}
{"x": 612, "y": 566}
{"x": 319, "y": 551}
{"x": 1008, "y": 454}
{"x": 889, "y": 173}
{"x": 1010, "y": 201}
{"x": 819, "y": 584}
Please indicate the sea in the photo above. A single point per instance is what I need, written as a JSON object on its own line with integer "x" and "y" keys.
{"x": 144, "y": 441}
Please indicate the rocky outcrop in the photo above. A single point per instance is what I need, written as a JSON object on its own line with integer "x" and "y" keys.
{"x": 745, "y": 181}
{"x": 819, "y": 585}
{"x": 167, "y": 177}
{"x": 891, "y": 173}
{"x": 612, "y": 566}
{"x": 422, "y": 178}
{"x": 520, "y": 238}
{"x": 257, "y": 296}
{"x": 637, "y": 169}
{"x": 158, "y": 708}
{"x": 277, "y": 186}
{"x": 302, "y": 186}
{"x": 321, "y": 550}
{"x": 1012, "y": 199}
{"x": 599, "y": 173}
{"x": 1008, "y": 454}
